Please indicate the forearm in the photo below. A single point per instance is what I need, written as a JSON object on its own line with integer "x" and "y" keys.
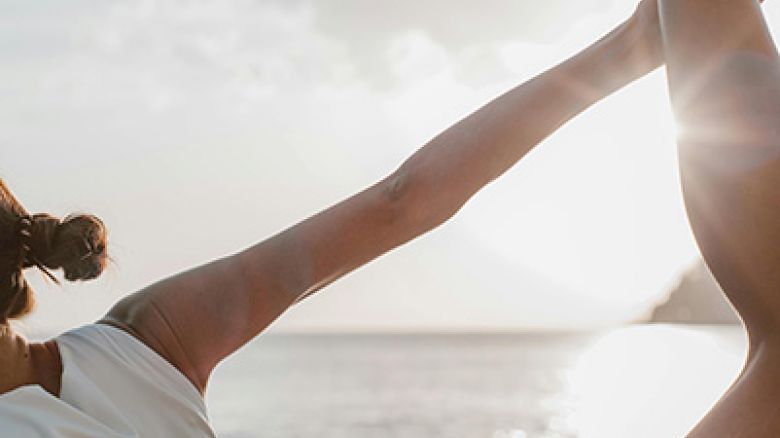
{"x": 440, "y": 177}
{"x": 446, "y": 172}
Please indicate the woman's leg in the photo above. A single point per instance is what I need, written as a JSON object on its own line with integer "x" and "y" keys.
{"x": 725, "y": 87}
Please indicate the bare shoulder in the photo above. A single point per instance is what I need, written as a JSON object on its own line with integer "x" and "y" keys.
{"x": 196, "y": 318}
{"x": 140, "y": 317}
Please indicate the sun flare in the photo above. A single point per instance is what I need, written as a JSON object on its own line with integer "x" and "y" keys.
{"x": 651, "y": 381}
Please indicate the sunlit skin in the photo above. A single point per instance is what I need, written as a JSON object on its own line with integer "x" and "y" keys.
{"x": 197, "y": 318}
{"x": 23, "y": 363}
{"x": 724, "y": 79}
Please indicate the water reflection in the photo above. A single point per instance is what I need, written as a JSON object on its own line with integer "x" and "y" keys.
{"x": 636, "y": 382}
{"x": 650, "y": 381}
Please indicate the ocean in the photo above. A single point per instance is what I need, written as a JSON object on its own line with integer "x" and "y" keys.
{"x": 638, "y": 381}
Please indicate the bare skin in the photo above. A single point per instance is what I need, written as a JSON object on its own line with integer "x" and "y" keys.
{"x": 23, "y": 363}
{"x": 724, "y": 79}
{"x": 197, "y": 318}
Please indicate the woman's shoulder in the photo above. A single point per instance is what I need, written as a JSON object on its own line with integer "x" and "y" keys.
{"x": 111, "y": 384}
{"x": 121, "y": 350}
{"x": 110, "y": 373}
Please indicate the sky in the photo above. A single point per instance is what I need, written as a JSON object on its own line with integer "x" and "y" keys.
{"x": 197, "y": 128}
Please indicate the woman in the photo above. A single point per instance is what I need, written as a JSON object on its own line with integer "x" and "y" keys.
{"x": 142, "y": 369}
{"x": 724, "y": 78}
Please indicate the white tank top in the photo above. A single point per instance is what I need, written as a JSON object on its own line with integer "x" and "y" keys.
{"x": 113, "y": 386}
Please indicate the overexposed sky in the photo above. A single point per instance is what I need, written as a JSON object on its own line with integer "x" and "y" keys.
{"x": 195, "y": 128}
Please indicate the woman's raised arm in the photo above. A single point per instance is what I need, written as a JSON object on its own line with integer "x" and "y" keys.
{"x": 197, "y": 318}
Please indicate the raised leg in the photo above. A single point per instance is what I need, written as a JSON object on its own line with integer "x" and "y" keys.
{"x": 724, "y": 79}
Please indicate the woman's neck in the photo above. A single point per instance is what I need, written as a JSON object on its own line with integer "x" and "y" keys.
{"x": 22, "y": 363}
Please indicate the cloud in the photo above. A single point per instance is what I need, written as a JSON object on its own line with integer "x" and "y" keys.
{"x": 463, "y": 28}
{"x": 168, "y": 53}
{"x": 164, "y": 54}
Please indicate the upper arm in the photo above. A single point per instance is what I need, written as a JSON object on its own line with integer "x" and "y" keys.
{"x": 197, "y": 318}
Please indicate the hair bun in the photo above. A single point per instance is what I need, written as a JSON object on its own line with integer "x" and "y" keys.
{"x": 76, "y": 244}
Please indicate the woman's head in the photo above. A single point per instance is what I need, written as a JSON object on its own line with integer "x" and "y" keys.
{"x": 76, "y": 244}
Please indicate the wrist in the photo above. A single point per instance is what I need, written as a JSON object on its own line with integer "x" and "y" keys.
{"x": 620, "y": 57}
{"x": 629, "y": 52}
{"x": 642, "y": 37}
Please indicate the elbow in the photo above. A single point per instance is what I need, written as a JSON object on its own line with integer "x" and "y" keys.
{"x": 416, "y": 203}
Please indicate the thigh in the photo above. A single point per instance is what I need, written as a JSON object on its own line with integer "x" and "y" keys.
{"x": 750, "y": 408}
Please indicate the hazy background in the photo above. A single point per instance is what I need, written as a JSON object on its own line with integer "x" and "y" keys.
{"x": 196, "y": 128}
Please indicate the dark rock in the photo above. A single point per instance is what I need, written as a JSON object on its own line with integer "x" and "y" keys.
{"x": 696, "y": 299}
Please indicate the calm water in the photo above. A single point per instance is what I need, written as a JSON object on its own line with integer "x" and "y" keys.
{"x": 643, "y": 381}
